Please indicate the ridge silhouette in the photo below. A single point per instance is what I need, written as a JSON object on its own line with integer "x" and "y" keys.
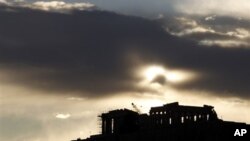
{"x": 170, "y": 122}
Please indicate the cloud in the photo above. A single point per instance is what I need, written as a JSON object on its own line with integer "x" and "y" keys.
{"x": 69, "y": 50}
{"x": 152, "y": 9}
{"x": 211, "y": 32}
{"x": 51, "y": 6}
{"x": 240, "y": 33}
{"x": 186, "y": 26}
{"x": 238, "y": 8}
{"x": 210, "y": 18}
{"x": 59, "y": 5}
{"x": 3, "y": 1}
{"x": 224, "y": 43}
{"x": 96, "y": 53}
{"x": 63, "y": 116}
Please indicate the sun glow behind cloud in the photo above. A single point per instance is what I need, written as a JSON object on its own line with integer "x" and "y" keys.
{"x": 171, "y": 76}
{"x": 152, "y": 71}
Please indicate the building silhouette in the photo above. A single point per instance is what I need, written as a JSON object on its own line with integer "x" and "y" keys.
{"x": 170, "y": 122}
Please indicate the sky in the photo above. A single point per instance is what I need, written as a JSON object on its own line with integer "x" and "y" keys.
{"x": 62, "y": 63}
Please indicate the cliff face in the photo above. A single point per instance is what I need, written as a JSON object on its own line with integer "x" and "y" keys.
{"x": 171, "y": 122}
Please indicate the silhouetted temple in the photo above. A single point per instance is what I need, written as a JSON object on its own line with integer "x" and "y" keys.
{"x": 170, "y": 122}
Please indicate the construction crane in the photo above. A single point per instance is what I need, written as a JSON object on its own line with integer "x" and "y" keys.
{"x": 136, "y": 108}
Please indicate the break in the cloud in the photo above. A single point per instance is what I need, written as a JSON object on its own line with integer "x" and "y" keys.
{"x": 149, "y": 8}
{"x": 239, "y": 8}
{"x": 96, "y": 53}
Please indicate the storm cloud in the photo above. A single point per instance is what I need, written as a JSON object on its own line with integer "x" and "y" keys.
{"x": 94, "y": 53}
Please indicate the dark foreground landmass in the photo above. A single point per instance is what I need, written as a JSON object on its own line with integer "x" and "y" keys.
{"x": 171, "y": 122}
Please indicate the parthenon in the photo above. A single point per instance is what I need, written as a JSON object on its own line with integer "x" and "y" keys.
{"x": 172, "y": 122}
{"x": 174, "y": 113}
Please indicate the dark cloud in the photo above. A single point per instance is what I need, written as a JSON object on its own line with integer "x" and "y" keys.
{"x": 160, "y": 79}
{"x": 89, "y": 52}
{"x": 82, "y": 51}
